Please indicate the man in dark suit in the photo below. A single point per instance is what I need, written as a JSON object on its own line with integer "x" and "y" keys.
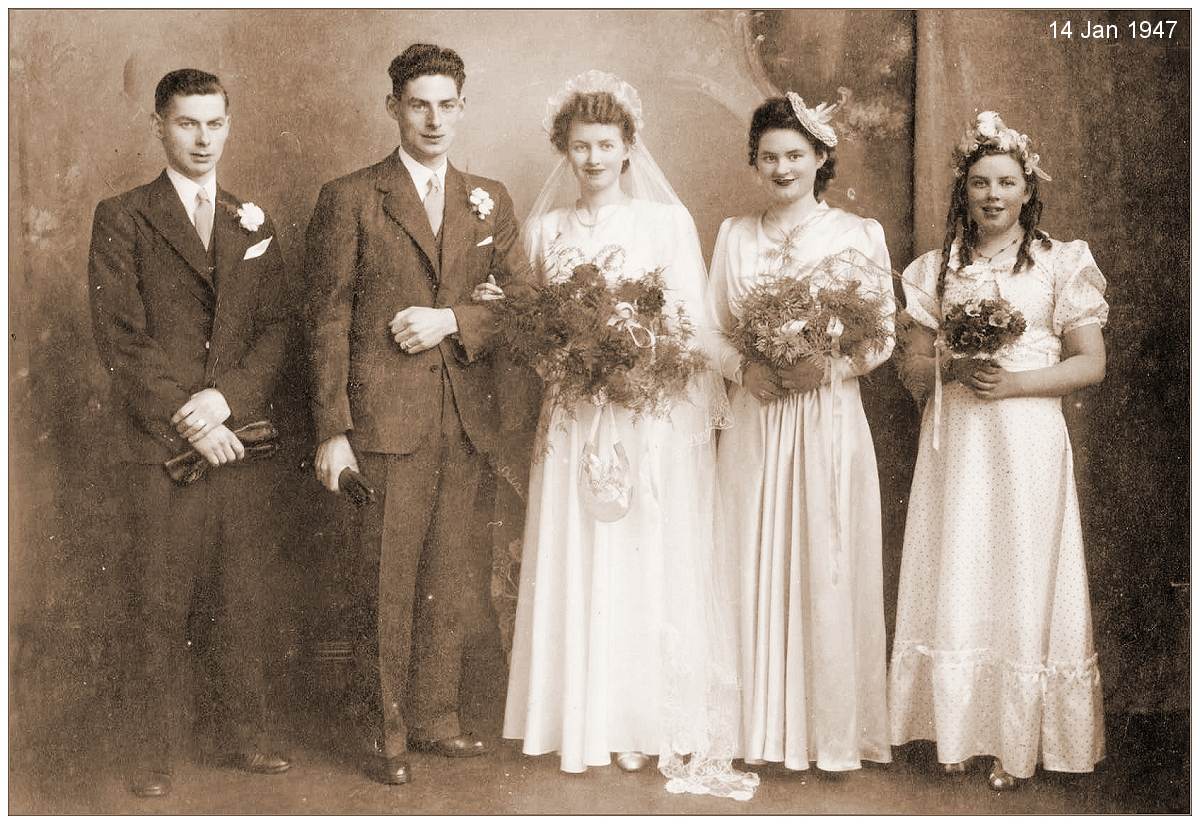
{"x": 188, "y": 309}
{"x": 403, "y": 392}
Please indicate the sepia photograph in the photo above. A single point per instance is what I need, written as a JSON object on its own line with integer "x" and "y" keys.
{"x": 589, "y": 411}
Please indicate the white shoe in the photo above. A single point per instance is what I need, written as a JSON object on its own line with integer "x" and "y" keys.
{"x": 632, "y": 761}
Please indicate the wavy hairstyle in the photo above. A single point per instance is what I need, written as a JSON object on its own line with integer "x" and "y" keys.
{"x": 777, "y": 113}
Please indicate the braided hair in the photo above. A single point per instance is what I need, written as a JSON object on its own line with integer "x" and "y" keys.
{"x": 958, "y": 219}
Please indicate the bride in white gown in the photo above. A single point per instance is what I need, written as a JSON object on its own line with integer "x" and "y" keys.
{"x": 625, "y": 638}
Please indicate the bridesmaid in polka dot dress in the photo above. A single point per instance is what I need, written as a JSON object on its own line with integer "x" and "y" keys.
{"x": 993, "y": 650}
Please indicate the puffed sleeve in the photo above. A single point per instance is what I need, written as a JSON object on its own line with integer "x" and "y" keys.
{"x": 725, "y": 355}
{"x": 875, "y": 248}
{"x": 920, "y": 289}
{"x": 1078, "y": 289}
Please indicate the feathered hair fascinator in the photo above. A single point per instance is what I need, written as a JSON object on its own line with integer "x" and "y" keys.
{"x": 817, "y": 120}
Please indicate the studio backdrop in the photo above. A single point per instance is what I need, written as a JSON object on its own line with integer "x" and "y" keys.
{"x": 307, "y": 91}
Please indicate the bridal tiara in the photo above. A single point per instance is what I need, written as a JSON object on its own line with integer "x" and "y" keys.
{"x": 989, "y": 130}
{"x": 595, "y": 80}
{"x": 816, "y": 120}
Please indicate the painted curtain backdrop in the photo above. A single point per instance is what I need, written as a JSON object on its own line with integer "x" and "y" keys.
{"x": 307, "y": 95}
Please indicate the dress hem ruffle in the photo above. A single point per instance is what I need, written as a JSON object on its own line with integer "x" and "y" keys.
{"x": 974, "y": 702}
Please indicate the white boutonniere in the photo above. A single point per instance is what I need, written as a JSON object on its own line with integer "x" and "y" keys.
{"x": 250, "y": 216}
{"x": 481, "y": 203}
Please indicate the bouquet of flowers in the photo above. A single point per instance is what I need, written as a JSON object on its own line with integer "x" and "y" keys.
{"x": 602, "y": 344}
{"x": 981, "y": 327}
{"x": 836, "y": 308}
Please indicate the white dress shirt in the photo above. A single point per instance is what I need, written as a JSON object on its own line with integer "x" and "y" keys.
{"x": 421, "y": 173}
{"x": 187, "y": 188}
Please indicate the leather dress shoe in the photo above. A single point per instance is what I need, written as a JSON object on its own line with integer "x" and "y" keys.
{"x": 999, "y": 779}
{"x": 259, "y": 762}
{"x": 150, "y": 784}
{"x": 390, "y": 770}
{"x": 465, "y": 745}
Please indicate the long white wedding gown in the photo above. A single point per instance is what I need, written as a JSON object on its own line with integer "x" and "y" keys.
{"x": 625, "y": 631}
{"x": 801, "y": 493}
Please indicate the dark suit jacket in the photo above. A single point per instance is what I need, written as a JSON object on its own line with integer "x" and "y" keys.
{"x": 169, "y": 323}
{"x": 371, "y": 253}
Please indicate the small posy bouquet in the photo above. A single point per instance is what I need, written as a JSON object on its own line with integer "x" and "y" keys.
{"x": 602, "y": 344}
{"x": 836, "y": 308}
{"x": 981, "y": 327}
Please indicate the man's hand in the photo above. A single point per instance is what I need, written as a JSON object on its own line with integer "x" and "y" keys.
{"x": 219, "y": 446}
{"x": 418, "y": 328}
{"x": 488, "y": 290}
{"x": 802, "y": 376}
{"x": 201, "y": 414}
{"x": 334, "y": 455}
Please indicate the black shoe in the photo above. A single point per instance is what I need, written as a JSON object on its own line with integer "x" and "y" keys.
{"x": 259, "y": 762}
{"x": 392, "y": 771}
{"x": 150, "y": 784}
{"x": 464, "y": 745}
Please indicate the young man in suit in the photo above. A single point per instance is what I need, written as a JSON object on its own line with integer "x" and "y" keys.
{"x": 188, "y": 309}
{"x": 403, "y": 392}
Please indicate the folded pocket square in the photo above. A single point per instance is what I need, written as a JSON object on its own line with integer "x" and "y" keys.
{"x": 257, "y": 249}
{"x": 486, "y": 241}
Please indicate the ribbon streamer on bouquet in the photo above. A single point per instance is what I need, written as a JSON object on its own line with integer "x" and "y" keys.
{"x": 938, "y": 345}
{"x": 835, "y": 330}
{"x": 625, "y": 319}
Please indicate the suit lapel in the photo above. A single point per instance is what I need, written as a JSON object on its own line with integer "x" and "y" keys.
{"x": 402, "y": 204}
{"x": 231, "y": 239}
{"x": 232, "y": 242}
{"x": 166, "y": 214}
{"x": 456, "y": 220}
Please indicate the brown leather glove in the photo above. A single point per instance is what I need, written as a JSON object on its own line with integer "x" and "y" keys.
{"x": 260, "y": 439}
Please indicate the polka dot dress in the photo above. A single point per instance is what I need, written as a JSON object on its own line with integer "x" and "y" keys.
{"x": 993, "y": 650}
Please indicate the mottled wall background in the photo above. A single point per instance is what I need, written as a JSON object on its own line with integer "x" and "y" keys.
{"x": 307, "y": 90}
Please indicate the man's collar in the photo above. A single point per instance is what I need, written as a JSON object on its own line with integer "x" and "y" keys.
{"x": 421, "y": 173}
{"x": 187, "y": 188}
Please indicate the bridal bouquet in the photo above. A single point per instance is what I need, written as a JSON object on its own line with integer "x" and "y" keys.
{"x": 981, "y": 327}
{"x": 831, "y": 310}
{"x": 602, "y": 344}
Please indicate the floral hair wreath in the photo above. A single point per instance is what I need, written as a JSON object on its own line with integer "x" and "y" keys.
{"x": 594, "y": 80}
{"x": 816, "y": 120}
{"x": 989, "y": 131}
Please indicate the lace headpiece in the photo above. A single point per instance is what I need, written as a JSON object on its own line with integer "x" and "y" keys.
{"x": 989, "y": 131}
{"x": 816, "y": 120}
{"x": 594, "y": 80}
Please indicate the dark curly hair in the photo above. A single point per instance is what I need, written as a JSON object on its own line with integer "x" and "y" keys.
{"x": 421, "y": 59}
{"x": 592, "y": 107}
{"x": 958, "y": 218}
{"x": 777, "y": 113}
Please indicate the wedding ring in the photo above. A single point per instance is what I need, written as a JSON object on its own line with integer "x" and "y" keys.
{"x": 200, "y": 422}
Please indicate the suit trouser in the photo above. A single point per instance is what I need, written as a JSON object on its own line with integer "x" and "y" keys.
{"x": 423, "y": 576}
{"x": 183, "y": 539}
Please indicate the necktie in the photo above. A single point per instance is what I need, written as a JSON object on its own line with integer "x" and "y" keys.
{"x": 434, "y": 202}
{"x": 204, "y": 217}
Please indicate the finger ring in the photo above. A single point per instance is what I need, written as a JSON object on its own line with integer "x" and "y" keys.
{"x": 200, "y": 422}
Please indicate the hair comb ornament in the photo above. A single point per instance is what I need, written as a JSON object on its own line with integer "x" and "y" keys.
{"x": 817, "y": 120}
{"x": 594, "y": 80}
{"x": 989, "y": 131}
